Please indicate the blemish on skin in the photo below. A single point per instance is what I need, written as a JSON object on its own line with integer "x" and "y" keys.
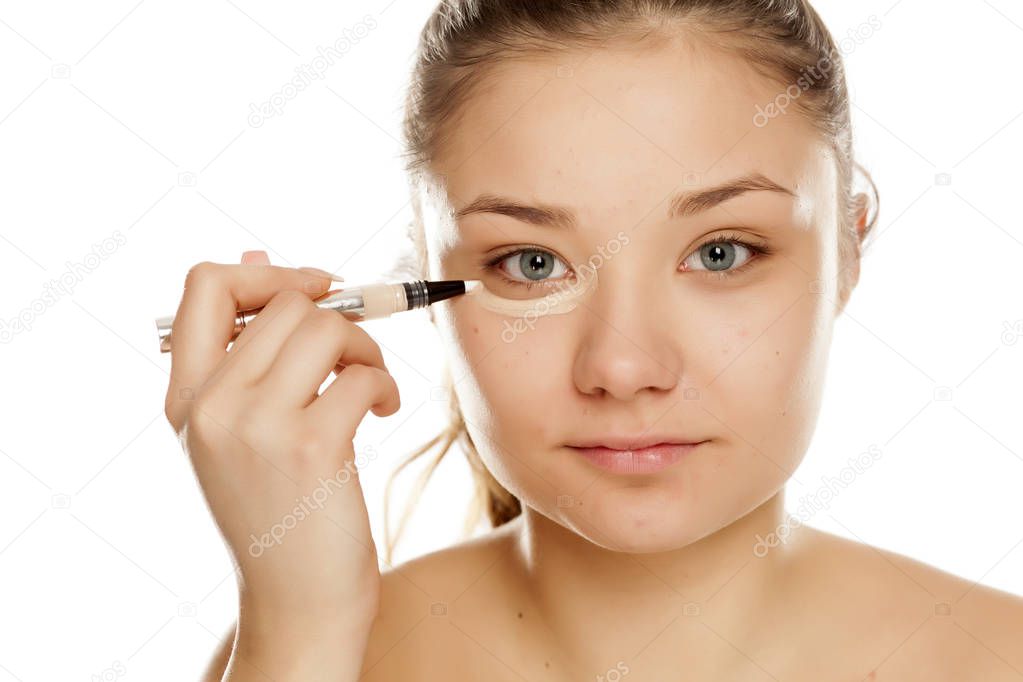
{"x": 520, "y": 614}
{"x": 546, "y": 664}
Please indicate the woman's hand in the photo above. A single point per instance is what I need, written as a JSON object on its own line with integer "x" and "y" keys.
{"x": 275, "y": 459}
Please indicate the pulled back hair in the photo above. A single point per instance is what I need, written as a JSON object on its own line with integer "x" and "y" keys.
{"x": 463, "y": 40}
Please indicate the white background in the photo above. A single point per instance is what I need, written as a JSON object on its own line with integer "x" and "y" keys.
{"x": 131, "y": 118}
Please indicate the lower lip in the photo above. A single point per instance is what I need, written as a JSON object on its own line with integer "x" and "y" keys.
{"x": 641, "y": 461}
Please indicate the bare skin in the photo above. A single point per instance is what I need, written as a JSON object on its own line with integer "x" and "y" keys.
{"x": 654, "y": 577}
{"x": 851, "y": 612}
{"x": 842, "y": 611}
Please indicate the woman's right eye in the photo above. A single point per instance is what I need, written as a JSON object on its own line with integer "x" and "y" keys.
{"x": 528, "y": 267}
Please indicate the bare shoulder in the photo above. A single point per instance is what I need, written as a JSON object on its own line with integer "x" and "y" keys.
{"x": 435, "y": 610}
{"x": 915, "y": 620}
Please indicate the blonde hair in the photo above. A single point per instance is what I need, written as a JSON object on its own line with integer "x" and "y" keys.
{"x": 463, "y": 39}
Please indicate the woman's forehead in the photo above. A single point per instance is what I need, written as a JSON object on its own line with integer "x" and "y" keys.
{"x": 621, "y": 125}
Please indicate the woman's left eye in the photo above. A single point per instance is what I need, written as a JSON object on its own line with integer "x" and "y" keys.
{"x": 719, "y": 254}
{"x": 535, "y": 266}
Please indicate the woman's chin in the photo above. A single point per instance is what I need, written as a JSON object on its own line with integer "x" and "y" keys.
{"x": 637, "y": 521}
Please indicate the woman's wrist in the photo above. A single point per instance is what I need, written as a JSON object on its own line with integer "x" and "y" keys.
{"x": 289, "y": 655}
{"x": 286, "y": 643}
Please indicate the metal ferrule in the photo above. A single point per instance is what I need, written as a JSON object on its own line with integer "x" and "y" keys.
{"x": 416, "y": 294}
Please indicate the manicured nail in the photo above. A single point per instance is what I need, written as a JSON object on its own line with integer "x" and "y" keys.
{"x": 255, "y": 257}
{"x": 323, "y": 273}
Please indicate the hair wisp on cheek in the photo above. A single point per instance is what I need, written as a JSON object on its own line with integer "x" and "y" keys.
{"x": 563, "y": 300}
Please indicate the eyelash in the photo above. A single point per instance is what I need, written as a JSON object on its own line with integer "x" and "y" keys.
{"x": 493, "y": 263}
{"x": 757, "y": 250}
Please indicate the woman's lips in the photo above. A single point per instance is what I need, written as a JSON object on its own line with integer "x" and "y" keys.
{"x": 638, "y": 460}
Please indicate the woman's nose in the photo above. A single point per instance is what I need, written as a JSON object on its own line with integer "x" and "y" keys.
{"x": 627, "y": 346}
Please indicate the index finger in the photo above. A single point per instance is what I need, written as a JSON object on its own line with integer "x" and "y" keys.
{"x": 214, "y": 294}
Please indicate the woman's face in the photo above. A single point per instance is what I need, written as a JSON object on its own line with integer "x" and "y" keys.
{"x": 719, "y": 344}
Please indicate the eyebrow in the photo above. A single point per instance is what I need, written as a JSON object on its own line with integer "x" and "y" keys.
{"x": 683, "y": 204}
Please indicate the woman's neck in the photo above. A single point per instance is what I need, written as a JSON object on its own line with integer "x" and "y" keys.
{"x": 595, "y": 601}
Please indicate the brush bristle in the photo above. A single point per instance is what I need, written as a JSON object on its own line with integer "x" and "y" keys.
{"x": 471, "y": 284}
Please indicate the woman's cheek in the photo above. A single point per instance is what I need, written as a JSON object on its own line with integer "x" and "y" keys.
{"x": 517, "y": 365}
{"x": 512, "y": 381}
{"x": 765, "y": 390}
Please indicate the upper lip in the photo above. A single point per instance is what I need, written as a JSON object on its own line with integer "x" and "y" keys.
{"x": 637, "y": 442}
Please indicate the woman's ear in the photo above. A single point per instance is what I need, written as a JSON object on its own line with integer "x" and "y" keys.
{"x": 862, "y": 210}
{"x": 849, "y": 275}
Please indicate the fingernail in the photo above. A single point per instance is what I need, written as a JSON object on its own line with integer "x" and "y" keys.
{"x": 255, "y": 257}
{"x": 323, "y": 273}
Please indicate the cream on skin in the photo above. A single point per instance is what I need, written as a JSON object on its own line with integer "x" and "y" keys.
{"x": 663, "y": 345}
{"x": 564, "y": 300}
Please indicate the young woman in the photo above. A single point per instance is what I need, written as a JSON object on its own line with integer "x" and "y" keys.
{"x": 658, "y": 196}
